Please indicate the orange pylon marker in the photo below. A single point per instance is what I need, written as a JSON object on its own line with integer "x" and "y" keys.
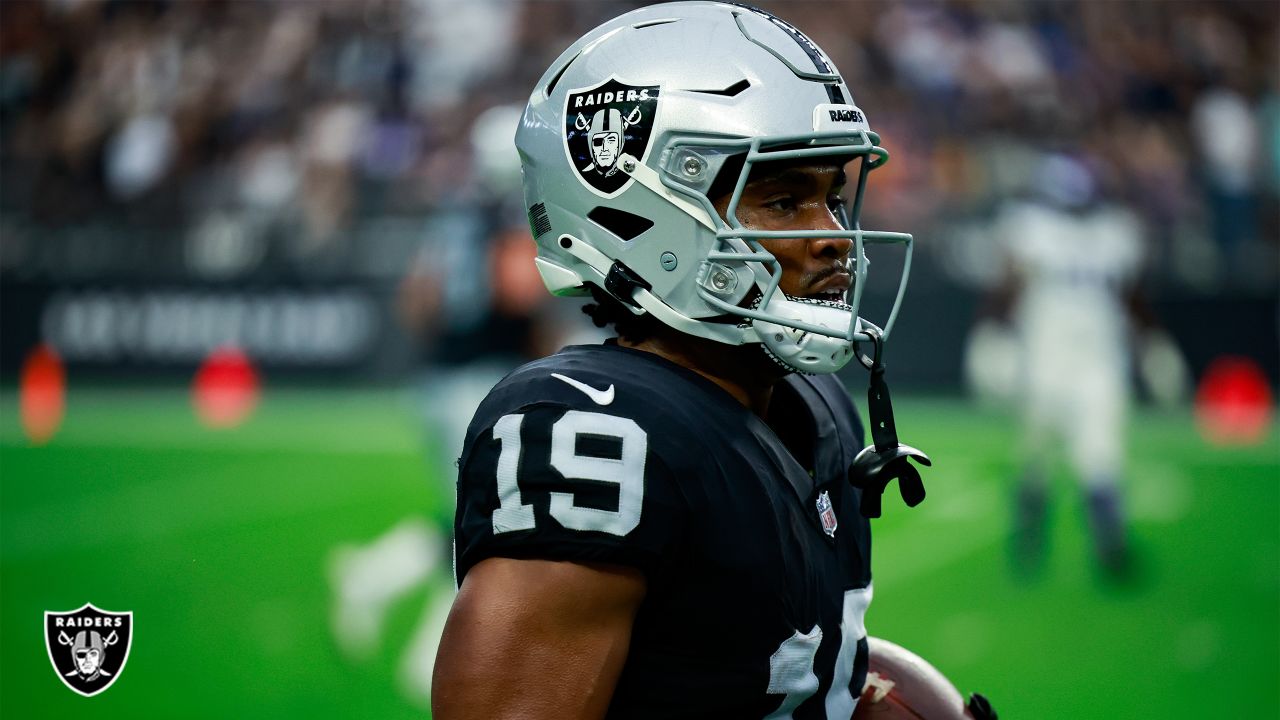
{"x": 42, "y": 391}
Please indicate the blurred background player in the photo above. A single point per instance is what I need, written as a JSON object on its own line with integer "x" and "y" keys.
{"x": 1073, "y": 259}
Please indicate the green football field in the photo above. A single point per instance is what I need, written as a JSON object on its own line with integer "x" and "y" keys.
{"x": 222, "y": 545}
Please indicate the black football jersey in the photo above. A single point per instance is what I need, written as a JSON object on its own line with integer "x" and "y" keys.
{"x": 749, "y": 535}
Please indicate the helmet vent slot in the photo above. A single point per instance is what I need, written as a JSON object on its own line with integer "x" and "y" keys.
{"x": 653, "y": 23}
{"x": 551, "y": 86}
{"x": 731, "y": 91}
{"x": 620, "y": 222}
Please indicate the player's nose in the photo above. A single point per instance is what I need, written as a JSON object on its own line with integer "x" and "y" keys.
{"x": 829, "y": 248}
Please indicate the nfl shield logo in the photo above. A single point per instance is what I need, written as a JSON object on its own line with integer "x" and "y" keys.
{"x": 88, "y": 647}
{"x": 827, "y": 514}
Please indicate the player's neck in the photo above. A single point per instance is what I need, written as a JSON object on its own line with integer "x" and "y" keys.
{"x": 742, "y": 371}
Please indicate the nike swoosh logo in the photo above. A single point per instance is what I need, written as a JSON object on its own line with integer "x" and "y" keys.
{"x": 599, "y": 397}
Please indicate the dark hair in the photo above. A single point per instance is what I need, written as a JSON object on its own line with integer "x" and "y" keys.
{"x": 608, "y": 310}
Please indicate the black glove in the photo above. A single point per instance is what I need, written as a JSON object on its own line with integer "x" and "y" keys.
{"x": 980, "y": 708}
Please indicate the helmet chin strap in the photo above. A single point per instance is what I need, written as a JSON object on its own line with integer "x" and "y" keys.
{"x": 642, "y": 300}
{"x": 886, "y": 459}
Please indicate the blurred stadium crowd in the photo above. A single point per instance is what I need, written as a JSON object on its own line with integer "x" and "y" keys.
{"x": 236, "y": 141}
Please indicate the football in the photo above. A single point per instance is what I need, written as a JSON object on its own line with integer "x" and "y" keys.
{"x": 901, "y": 684}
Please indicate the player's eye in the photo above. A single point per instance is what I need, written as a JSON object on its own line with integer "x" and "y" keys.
{"x": 785, "y": 203}
{"x": 837, "y": 203}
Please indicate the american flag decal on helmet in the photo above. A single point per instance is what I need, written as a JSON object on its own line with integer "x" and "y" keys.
{"x": 827, "y": 514}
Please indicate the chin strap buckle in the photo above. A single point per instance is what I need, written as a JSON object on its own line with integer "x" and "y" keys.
{"x": 622, "y": 282}
{"x": 879, "y": 464}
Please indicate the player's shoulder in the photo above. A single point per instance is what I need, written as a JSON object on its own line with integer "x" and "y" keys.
{"x": 1117, "y": 231}
{"x": 605, "y": 363}
{"x": 569, "y": 458}
{"x": 600, "y": 378}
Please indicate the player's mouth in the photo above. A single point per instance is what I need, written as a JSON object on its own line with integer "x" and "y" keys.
{"x": 829, "y": 296}
{"x": 832, "y": 289}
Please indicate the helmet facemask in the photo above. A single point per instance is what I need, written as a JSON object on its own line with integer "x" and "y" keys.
{"x": 740, "y": 278}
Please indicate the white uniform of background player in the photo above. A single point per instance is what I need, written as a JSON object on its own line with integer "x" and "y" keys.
{"x": 1073, "y": 323}
{"x": 1074, "y": 261}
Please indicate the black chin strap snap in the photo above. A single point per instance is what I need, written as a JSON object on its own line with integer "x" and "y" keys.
{"x": 879, "y": 464}
{"x": 877, "y": 342}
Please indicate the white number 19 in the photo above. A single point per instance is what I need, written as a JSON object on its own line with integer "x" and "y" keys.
{"x": 626, "y": 471}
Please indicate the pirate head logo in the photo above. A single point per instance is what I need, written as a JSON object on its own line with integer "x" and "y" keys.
{"x": 88, "y": 647}
{"x": 604, "y": 122}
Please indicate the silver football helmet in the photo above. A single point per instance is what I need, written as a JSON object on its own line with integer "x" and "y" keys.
{"x": 625, "y": 134}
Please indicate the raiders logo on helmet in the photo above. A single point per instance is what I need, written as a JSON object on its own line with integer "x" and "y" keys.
{"x": 603, "y": 122}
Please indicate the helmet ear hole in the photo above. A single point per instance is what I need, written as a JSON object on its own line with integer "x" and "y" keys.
{"x": 627, "y": 226}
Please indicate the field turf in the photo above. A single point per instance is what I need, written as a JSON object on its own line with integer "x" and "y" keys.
{"x": 219, "y": 542}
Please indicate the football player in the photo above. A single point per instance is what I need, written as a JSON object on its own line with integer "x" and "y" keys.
{"x": 664, "y": 525}
{"x": 1073, "y": 260}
